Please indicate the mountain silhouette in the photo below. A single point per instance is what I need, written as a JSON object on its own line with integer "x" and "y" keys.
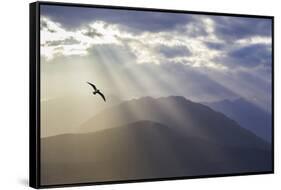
{"x": 247, "y": 115}
{"x": 151, "y": 138}
{"x": 177, "y": 112}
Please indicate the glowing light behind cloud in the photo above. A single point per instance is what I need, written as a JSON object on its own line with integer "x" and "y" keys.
{"x": 138, "y": 61}
{"x": 142, "y": 45}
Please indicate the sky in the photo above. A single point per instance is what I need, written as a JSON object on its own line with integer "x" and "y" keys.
{"x": 130, "y": 54}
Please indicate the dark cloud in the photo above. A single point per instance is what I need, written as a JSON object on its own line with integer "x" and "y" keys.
{"x": 215, "y": 45}
{"x": 44, "y": 25}
{"x": 251, "y": 56}
{"x": 67, "y": 41}
{"x": 175, "y": 51}
{"x": 135, "y": 20}
{"x": 91, "y": 32}
{"x": 233, "y": 28}
{"x": 226, "y": 27}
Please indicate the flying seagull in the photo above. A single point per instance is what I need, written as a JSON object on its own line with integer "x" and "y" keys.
{"x": 96, "y": 91}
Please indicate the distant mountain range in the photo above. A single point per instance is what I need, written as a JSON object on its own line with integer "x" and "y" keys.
{"x": 247, "y": 115}
{"x": 150, "y": 138}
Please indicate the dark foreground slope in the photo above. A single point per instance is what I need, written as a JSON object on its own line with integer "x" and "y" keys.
{"x": 142, "y": 150}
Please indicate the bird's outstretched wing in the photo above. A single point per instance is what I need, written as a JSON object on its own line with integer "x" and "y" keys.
{"x": 94, "y": 87}
{"x": 101, "y": 94}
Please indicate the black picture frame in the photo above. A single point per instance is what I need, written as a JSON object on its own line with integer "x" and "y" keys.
{"x": 34, "y": 91}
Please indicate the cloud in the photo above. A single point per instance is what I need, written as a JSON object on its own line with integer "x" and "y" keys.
{"x": 73, "y": 42}
{"x": 148, "y": 47}
{"x": 251, "y": 56}
{"x": 235, "y": 28}
{"x": 44, "y": 25}
{"x": 196, "y": 43}
{"x": 68, "y": 41}
{"x": 92, "y": 32}
{"x": 215, "y": 45}
{"x": 171, "y": 52}
{"x": 255, "y": 40}
{"x": 137, "y": 21}
{"x": 200, "y": 57}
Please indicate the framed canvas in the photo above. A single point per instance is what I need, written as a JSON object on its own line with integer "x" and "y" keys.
{"x": 121, "y": 94}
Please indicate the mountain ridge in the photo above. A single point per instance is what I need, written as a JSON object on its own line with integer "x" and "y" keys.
{"x": 246, "y": 115}
{"x": 174, "y": 111}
